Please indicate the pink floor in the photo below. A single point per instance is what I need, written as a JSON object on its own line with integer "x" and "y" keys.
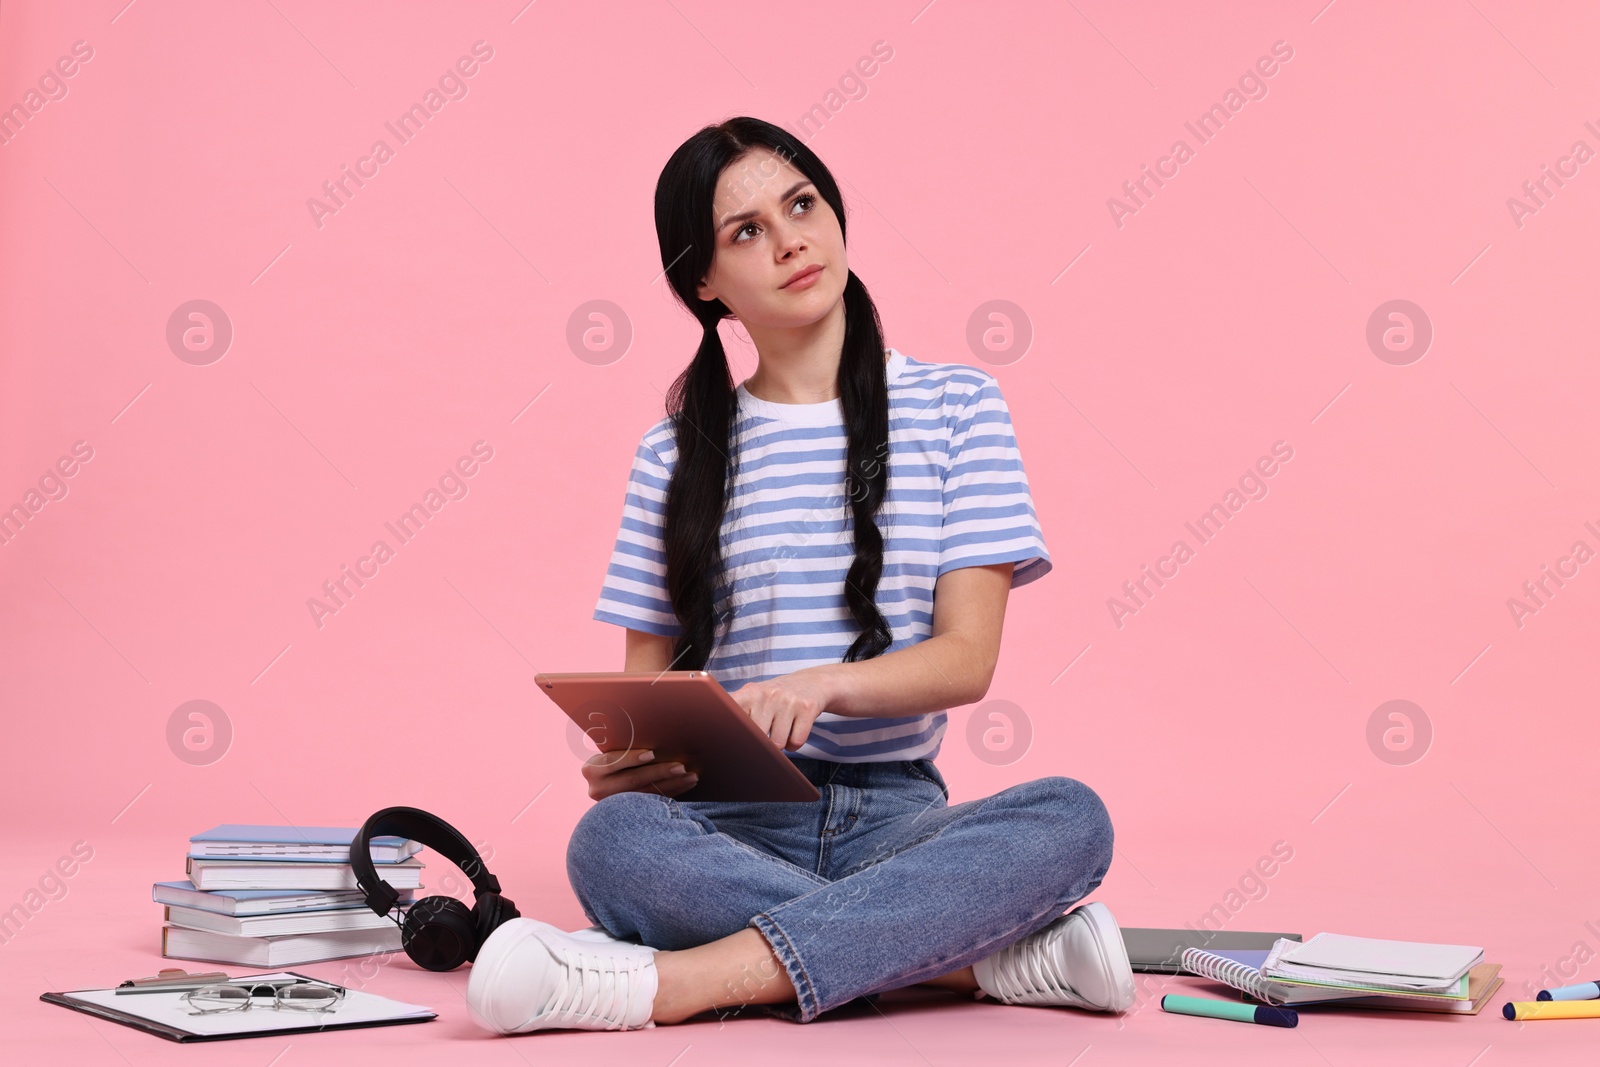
{"x": 104, "y": 930}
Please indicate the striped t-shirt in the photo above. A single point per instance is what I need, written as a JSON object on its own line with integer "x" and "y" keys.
{"x": 957, "y": 496}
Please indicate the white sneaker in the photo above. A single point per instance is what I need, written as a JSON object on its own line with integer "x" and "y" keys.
{"x": 1078, "y": 961}
{"x": 531, "y": 976}
{"x": 594, "y": 933}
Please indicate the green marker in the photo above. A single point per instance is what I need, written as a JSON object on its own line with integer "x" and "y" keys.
{"x": 1227, "y": 1009}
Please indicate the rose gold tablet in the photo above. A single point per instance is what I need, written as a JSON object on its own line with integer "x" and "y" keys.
{"x": 685, "y": 717}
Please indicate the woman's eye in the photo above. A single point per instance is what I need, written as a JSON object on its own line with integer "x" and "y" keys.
{"x": 809, "y": 200}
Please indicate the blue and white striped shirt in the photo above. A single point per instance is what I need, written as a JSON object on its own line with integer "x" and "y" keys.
{"x": 957, "y": 497}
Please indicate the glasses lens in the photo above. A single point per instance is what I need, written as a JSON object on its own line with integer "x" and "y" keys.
{"x": 218, "y": 998}
{"x": 309, "y": 997}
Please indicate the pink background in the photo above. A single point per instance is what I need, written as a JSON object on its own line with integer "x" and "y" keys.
{"x": 1167, "y": 354}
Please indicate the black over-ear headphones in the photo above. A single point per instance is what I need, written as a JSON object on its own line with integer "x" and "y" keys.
{"x": 439, "y": 932}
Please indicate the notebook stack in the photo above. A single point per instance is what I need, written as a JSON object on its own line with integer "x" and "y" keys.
{"x": 281, "y": 896}
{"x": 1355, "y": 972}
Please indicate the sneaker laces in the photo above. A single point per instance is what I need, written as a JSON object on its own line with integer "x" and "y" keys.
{"x": 598, "y": 988}
{"x": 1025, "y": 968}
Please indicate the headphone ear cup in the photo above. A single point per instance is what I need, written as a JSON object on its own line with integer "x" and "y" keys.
{"x": 439, "y": 933}
{"x": 490, "y": 913}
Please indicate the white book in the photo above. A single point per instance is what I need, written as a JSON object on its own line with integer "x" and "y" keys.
{"x": 1401, "y": 966}
{"x": 303, "y": 922}
{"x": 288, "y": 950}
{"x": 270, "y": 874}
{"x": 260, "y": 901}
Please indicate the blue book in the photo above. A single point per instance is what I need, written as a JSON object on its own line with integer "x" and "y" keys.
{"x": 312, "y": 844}
{"x": 1250, "y": 957}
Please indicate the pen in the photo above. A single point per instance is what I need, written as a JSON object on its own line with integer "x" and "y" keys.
{"x": 1227, "y": 1009}
{"x": 184, "y": 987}
{"x": 172, "y": 978}
{"x": 1551, "y": 1009}
{"x": 1581, "y": 991}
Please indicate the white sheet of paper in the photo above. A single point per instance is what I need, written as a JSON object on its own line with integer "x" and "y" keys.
{"x": 1371, "y": 955}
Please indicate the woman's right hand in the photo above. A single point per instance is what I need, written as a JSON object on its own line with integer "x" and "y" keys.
{"x": 634, "y": 770}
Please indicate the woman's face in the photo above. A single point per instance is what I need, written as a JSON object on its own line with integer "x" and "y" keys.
{"x": 769, "y": 222}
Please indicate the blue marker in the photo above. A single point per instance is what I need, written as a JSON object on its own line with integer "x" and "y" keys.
{"x": 1581, "y": 991}
{"x": 1228, "y": 1009}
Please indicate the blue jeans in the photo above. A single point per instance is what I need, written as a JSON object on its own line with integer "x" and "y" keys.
{"x": 877, "y": 885}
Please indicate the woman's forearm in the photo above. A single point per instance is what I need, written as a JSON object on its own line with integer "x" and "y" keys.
{"x": 940, "y": 672}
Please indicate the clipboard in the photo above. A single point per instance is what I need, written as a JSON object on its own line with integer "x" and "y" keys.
{"x": 161, "y": 1014}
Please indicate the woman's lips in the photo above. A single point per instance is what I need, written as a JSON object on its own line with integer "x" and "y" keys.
{"x": 803, "y": 281}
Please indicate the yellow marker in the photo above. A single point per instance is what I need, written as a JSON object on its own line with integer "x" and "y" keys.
{"x": 1551, "y": 1009}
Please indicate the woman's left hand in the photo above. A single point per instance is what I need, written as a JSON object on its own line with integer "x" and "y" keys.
{"x": 785, "y": 707}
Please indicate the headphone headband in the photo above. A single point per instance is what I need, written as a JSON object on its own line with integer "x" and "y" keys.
{"x": 419, "y": 826}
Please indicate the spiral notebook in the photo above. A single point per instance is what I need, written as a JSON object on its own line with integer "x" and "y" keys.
{"x": 1241, "y": 969}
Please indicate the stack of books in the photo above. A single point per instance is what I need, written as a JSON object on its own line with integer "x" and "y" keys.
{"x": 1355, "y": 972}
{"x": 281, "y": 896}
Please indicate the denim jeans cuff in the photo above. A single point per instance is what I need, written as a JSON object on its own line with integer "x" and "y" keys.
{"x": 806, "y": 1007}
{"x": 791, "y": 1012}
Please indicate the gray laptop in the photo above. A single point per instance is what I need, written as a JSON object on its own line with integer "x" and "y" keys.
{"x": 1160, "y": 951}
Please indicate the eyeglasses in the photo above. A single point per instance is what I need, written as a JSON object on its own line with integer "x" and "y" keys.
{"x": 240, "y": 996}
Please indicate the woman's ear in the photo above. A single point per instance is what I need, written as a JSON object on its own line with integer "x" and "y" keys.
{"x": 705, "y": 292}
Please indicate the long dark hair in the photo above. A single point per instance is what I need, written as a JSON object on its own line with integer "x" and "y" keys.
{"x": 702, "y": 401}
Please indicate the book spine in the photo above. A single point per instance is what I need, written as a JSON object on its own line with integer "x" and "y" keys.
{"x": 1229, "y": 972}
{"x": 224, "y": 850}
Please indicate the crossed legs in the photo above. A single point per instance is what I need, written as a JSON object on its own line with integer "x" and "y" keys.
{"x": 980, "y": 876}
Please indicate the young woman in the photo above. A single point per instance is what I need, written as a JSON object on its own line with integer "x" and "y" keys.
{"x": 834, "y": 540}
